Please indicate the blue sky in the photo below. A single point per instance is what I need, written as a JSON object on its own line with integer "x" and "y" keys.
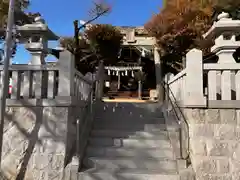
{"x": 59, "y": 14}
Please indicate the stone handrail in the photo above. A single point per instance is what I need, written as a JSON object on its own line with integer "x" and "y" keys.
{"x": 222, "y": 84}
{"x": 177, "y": 76}
{"x": 177, "y": 85}
{"x": 32, "y": 81}
{"x": 85, "y": 120}
{"x": 82, "y": 86}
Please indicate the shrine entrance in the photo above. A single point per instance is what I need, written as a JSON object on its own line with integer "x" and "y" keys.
{"x": 130, "y": 80}
{"x": 122, "y": 82}
{"x": 133, "y": 77}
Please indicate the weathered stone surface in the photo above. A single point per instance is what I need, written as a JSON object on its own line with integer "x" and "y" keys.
{"x": 214, "y": 177}
{"x": 34, "y": 143}
{"x": 225, "y": 132}
{"x": 204, "y": 130}
{"x": 212, "y": 116}
{"x": 204, "y": 165}
{"x": 210, "y": 165}
{"x": 237, "y": 133}
{"x": 223, "y": 165}
{"x": 228, "y": 116}
{"x": 236, "y": 150}
{"x": 218, "y": 148}
{"x": 235, "y": 165}
{"x": 198, "y": 147}
{"x": 215, "y": 143}
{"x": 236, "y": 176}
{"x": 195, "y": 115}
{"x": 238, "y": 116}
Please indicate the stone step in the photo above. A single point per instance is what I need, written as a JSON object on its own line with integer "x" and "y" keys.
{"x": 130, "y": 134}
{"x": 126, "y": 175}
{"x": 169, "y": 166}
{"x": 129, "y": 152}
{"x": 130, "y": 108}
{"x": 131, "y": 119}
{"x": 130, "y": 127}
{"x": 129, "y": 143}
{"x": 129, "y": 112}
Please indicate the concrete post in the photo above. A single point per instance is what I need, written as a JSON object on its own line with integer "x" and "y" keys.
{"x": 158, "y": 71}
{"x": 66, "y": 64}
{"x": 167, "y": 77}
{"x": 100, "y": 81}
{"x": 194, "y": 79}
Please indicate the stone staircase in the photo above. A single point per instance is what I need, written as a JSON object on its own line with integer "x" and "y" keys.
{"x": 130, "y": 141}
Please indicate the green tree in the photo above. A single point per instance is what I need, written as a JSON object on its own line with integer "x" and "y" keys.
{"x": 20, "y": 18}
{"x": 20, "y": 6}
{"x": 98, "y": 42}
{"x": 84, "y": 50}
{"x": 105, "y": 41}
{"x": 83, "y": 53}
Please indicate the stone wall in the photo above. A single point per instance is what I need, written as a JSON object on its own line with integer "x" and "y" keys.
{"x": 214, "y": 143}
{"x": 36, "y": 143}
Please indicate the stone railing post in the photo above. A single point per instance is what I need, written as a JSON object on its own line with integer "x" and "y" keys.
{"x": 194, "y": 79}
{"x": 158, "y": 71}
{"x": 66, "y": 65}
{"x": 100, "y": 81}
{"x": 167, "y": 77}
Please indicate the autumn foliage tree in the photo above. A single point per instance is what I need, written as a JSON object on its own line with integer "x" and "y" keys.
{"x": 179, "y": 27}
{"x": 230, "y": 6}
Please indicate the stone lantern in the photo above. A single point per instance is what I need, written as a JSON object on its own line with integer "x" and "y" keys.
{"x": 37, "y": 35}
{"x": 224, "y": 31}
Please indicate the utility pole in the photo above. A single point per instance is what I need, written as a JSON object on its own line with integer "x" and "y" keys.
{"x": 77, "y": 29}
{"x": 76, "y": 38}
{"x": 5, "y": 83}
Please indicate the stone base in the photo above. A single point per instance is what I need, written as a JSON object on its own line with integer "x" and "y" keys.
{"x": 215, "y": 143}
{"x": 153, "y": 94}
{"x": 34, "y": 143}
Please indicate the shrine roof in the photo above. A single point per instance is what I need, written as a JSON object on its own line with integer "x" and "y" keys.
{"x": 139, "y": 30}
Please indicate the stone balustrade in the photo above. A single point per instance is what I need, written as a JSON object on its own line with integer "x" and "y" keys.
{"x": 208, "y": 95}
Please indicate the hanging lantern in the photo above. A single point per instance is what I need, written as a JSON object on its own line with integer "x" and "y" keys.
{"x": 132, "y": 74}
{"x": 109, "y": 72}
{"x": 126, "y": 73}
{"x": 117, "y": 73}
{"x": 122, "y": 73}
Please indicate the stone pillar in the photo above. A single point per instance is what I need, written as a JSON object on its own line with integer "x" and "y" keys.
{"x": 139, "y": 89}
{"x": 194, "y": 78}
{"x": 100, "y": 78}
{"x": 119, "y": 79}
{"x": 158, "y": 71}
{"x": 167, "y": 78}
{"x": 140, "y": 82}
{"x": 66, "y": 65}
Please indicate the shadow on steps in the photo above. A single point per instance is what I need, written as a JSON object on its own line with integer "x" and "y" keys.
{"x": 129, "y": 141}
